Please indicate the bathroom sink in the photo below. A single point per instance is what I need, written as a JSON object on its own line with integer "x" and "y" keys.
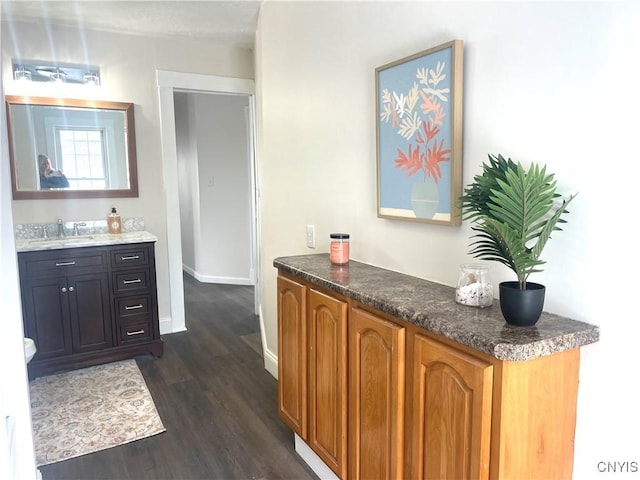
{"x": 62, "y": 240}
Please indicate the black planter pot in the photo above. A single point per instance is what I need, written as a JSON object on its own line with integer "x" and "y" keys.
{"x": 521, "y": 307}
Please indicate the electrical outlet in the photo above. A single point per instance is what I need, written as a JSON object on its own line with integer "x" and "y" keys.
{"x": 311, "y": 236}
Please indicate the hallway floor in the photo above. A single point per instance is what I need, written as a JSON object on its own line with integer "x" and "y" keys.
{"x": 216, "y": 400}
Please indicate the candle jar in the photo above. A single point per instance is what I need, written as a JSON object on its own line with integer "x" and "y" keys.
{"x": 339, "y": 248}
{"x": 474, "y": 286}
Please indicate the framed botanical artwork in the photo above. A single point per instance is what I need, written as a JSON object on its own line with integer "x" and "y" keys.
{"x": 419, "y": 136}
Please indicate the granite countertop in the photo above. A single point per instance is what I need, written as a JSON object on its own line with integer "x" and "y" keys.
{"x": 92, "y": 240}
{"x": 432, "y": 306}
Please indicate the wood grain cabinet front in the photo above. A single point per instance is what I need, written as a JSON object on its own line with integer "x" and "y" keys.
{"x": 450, "y": 412}
{"x": 312, "y": 375}
{"x": 75, "y": 311}
{"x": 328, "y": 380}
{"x": 292, "y": 354}
{"x": 376, "y": 397}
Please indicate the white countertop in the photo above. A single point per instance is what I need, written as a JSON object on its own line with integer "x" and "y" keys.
{"x": 92, "y": 240}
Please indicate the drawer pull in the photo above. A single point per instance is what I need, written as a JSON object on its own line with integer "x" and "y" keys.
{"x": 133, "y": 307}
{"x": 127, "y": 282}
{"x": 65, "y": 264}
{"x": 131, "y": 257}
{"x": 137, "y": 332}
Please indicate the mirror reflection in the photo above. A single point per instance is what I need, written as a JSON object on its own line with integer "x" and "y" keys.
{"x": 63, "y": 148}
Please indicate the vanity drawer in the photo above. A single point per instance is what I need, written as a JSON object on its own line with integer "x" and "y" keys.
{"x": 128, "y": 306}
{"x": 36, "y": 263}
{"x": 135, "y": 332}
{"x": 131, "y": 281}
{"x": 130, "y": 257}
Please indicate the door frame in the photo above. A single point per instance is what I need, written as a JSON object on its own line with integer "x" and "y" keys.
{"x": 168, "y": 83}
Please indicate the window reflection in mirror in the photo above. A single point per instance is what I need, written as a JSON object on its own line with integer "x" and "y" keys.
{"x": 62, "y": 148}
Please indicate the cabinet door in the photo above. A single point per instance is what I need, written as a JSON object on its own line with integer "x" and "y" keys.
{"x": 89, "y": 311}
{"x": 376, "y": 397}
{"x": 46, "y": 312}
{"x": 292, "y": 355}
{"x": 451, "y": 412}
{"x": 328, "y": 380}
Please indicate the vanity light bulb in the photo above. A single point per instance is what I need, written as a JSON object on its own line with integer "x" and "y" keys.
{"x": 91, "y": 78}
{"x": 58, "y": 76}
{"x": 22, "y": 75}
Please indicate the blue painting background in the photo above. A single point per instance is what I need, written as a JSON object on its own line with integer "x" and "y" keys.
{"x": 395, "y": 185}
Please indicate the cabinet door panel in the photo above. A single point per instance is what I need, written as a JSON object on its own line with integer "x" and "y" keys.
{"x": 451, "y": 412}
{"x": 292, "y": 355}
{"x": 376, "y": 397}
{"x": 46, "y": 311}
{"x": 328, "y": 380}
{"x": 90, "y": 313}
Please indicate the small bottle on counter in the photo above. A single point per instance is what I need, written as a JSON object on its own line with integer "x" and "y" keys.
{"x": 113, "y": 221}
{"x": 339, "y": 249}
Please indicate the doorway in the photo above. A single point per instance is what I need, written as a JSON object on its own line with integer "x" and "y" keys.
{"x": 169, "y": 83}
{"x": 214, "y": 178}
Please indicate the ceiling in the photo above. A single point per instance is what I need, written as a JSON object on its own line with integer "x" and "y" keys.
{"x": 222, "y": 21}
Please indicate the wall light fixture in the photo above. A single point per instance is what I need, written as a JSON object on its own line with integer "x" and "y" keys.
{"x": 37, "y": 71}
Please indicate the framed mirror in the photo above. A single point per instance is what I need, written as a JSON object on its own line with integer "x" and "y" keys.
{"x": 66, "y": 148}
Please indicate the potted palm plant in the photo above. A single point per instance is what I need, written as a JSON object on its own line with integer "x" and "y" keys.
{"x": 513, "y": 211}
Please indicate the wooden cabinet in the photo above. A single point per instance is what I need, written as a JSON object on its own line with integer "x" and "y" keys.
{"x": 292, "y": 354}
{"x": 73, "y": 303}
{"x": 450, "y": 412}
{"x": 328, "y": 380}
{"x": 376, "y": 397}
{"x": 312, "y": 375}
{"x": 418, "y": 405}
{"x": 134, "y": 294}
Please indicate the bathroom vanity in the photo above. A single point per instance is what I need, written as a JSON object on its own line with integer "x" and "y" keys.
{"x": 383, "y": 375}
{"x": 89, "y": 300}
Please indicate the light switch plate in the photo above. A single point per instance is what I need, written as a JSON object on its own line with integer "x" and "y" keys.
{"x": 311, "y": 236}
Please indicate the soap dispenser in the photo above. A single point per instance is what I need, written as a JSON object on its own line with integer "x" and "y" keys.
{"x": 113, "y": 220}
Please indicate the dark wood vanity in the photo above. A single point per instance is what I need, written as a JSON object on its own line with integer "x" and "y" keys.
{"x": 89, "y": 305}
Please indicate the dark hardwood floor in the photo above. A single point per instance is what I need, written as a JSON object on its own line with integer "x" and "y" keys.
{"x": 216, "y": 400}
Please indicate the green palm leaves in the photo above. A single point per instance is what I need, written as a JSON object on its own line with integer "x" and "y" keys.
{"x": 513, "y": 211}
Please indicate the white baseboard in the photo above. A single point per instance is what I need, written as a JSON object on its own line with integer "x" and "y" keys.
{"x": 217, "y": 279}
{"x": 314, "y": 461}
{"x": 270, "y": 363}
{"x": 270, "y": 359}
{"x": 165, "y": 326}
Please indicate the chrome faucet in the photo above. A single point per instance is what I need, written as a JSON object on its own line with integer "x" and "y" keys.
{"x": 44, "y": 232}
{"x": 60, "y": 228}
{"x": 75, "y": 228}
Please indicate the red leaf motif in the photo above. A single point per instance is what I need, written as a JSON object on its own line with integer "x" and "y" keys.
{"x": 436, "y": 155}
{"x": 430, "y": 131}
{"x": 411, "y": 163}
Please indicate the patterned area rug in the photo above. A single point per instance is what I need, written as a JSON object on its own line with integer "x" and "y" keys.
{"x": 88, "y": 410}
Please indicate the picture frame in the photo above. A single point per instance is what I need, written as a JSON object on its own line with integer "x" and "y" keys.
{"x": 419, "y": 136}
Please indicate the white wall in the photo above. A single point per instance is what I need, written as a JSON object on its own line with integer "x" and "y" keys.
{"x": 552, "y": 82}
{"x": 187, "y": 155}
{"x": 128, "y": 68}
{"x": 225, "y": 188}
{"x": 215, "y": 156}
{"x": 17, "y": 459}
